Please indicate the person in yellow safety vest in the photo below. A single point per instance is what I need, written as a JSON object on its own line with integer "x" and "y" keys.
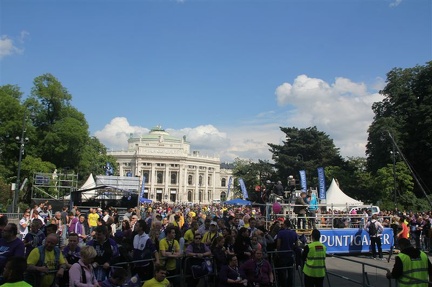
{"x": 314, "y": 255}
{"x": 412, "y": 267}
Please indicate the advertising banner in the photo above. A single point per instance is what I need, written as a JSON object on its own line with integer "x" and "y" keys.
{"x": 352, "y": 240}
{"x": 303, "y": 180}
{"x": 321, "y": 183}
{"x": 243, "y": 188}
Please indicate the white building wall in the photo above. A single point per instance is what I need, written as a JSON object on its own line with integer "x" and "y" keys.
{"x": 159, "y": 152}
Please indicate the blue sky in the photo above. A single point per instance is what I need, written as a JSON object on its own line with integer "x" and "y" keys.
{"x": 227, "y": 74}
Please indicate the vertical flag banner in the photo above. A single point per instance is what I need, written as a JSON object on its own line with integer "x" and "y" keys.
{"x": 243, "y": 188}
{"x": 321, "y": 183}
{"x": 143, "y": 187}
{"x": 229, "y": 187}
{"x": 303, "y": 180}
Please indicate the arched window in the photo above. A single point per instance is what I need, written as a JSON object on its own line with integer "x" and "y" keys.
{"x": 190, "y": 196}
{"x": 146, "y": 175}
{"x": 200, "y": 180}
{"x": 223, "y": 196}
{"x": 200, "y": 196}
{"x": 190, "y": 179}
{"x": 159, "y": 177}
{"x": 174, "y": 177}
{"x": 223, "y": 182}
{"x": 209, "y": 196}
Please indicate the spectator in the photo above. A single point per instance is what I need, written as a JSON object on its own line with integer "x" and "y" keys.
{"x": 13, "y": 273}
{"x": 196, "y": 251}
{"x": 286, "y": 244}
{"x": 107, "y": 251}
{"x": 81, "y": 273}
{"x": 24, "y": 224}
{"x": 46, "y": 262}
{"x": 34, "y": 237}
{"x": 159, "y": 278}
{"x": 10, "y": 244}
{"x": 375, "y": 230}
{"x": 300, "y": 210}
{"x": 231, "y": 275}
{"x": 404, "y": 232}
{"x": 117, "y": 278}
{"x": 144, "y": 250}
{"x": 211, "y": 235}
{"x": 71, "y": 253}
{"x": 92, "y": 219}
{"x": 170, "y": 251}
{"x": 219, "y": 252}
{"x": 258, "y": 270}
{"x": 3, "y": 223}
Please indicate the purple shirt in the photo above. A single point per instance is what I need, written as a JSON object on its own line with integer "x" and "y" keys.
{"x": 288, "y": 238}
{"x": 10, "y": 249}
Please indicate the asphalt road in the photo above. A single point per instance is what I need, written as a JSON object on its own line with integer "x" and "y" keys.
{"x": 352, "y": 267}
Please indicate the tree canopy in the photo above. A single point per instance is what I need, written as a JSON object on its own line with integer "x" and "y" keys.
{"x": 304, "y": 149}
{"x": 57, "y": 133}
{"x": 405, "y": 113}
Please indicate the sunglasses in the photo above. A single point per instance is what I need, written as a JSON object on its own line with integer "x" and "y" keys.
{"x": 197, "y": 237}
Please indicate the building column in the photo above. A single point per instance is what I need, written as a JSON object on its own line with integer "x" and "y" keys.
{"x": 152, "y": 181}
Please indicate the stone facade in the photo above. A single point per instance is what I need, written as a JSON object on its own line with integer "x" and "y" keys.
{"x": 172, "y": 173}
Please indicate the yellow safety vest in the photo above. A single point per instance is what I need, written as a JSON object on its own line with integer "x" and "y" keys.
{"x": 414, "y": 270}
{"x": 315, "y": 261}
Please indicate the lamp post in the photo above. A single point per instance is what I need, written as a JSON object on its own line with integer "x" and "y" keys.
{"x": 22, "y": 140}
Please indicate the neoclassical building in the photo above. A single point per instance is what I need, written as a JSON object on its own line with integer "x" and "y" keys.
{"x": 171, "y": 172}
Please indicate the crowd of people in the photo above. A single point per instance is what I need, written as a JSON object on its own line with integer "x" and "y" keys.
{"x": 150, "y": 242}
{"x": 158, "y": 243}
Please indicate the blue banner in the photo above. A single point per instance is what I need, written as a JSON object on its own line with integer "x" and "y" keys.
{"x": 321, "y": 183}
{"x": 243, "y": 188}
{"x": 303, "y": 180}
{"x": 229, "y": 187}
{"x": 143, "y": 186}
{"x": 352, "y": 240}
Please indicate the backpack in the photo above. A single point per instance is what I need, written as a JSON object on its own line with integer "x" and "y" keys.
{"x": 373, "y": 231}
{"x": 33, "y": 277}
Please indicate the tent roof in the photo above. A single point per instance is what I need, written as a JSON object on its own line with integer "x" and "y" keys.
{"x": 337, "y": 197}
{"x": 89, "y": 184}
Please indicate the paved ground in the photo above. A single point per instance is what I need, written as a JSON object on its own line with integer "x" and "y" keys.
{"x": 353, "y": 267}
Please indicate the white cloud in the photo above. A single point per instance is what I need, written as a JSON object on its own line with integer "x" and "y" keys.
{"x": 115, "y": 134}
{"x": 341, "y": 109}
{"x": 8, "y": 46}
{"x": 395, "y": 3}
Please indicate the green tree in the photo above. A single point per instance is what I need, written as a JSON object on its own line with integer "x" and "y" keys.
{"x": 11, "y": 119}
{"x": 386, "y": 184}
{"x": 406, "y": 113}
{"x": 304, "y": 149}
{"x": 94, "y": 157}
{"x": 62, "y": 130}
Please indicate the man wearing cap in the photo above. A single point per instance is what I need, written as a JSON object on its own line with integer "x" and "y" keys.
{"x": 211, "y": 235}
{"x": 412, "y": 267}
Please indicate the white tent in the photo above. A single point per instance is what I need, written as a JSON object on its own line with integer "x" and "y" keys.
{"x": 89, "y": 184}
{"x": 338, "y": 199}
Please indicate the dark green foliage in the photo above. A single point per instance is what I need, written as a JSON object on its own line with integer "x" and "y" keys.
{"x": 405, "y": 112}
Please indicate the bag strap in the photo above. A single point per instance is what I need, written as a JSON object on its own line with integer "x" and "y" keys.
{"x": 83, "y": 276}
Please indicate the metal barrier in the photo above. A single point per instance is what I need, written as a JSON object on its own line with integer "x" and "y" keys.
{"x": 280, "y": 268}
{"x": 365, "y": 279}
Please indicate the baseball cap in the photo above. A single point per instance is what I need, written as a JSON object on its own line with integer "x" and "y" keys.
{"x": 213, "y": 223}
